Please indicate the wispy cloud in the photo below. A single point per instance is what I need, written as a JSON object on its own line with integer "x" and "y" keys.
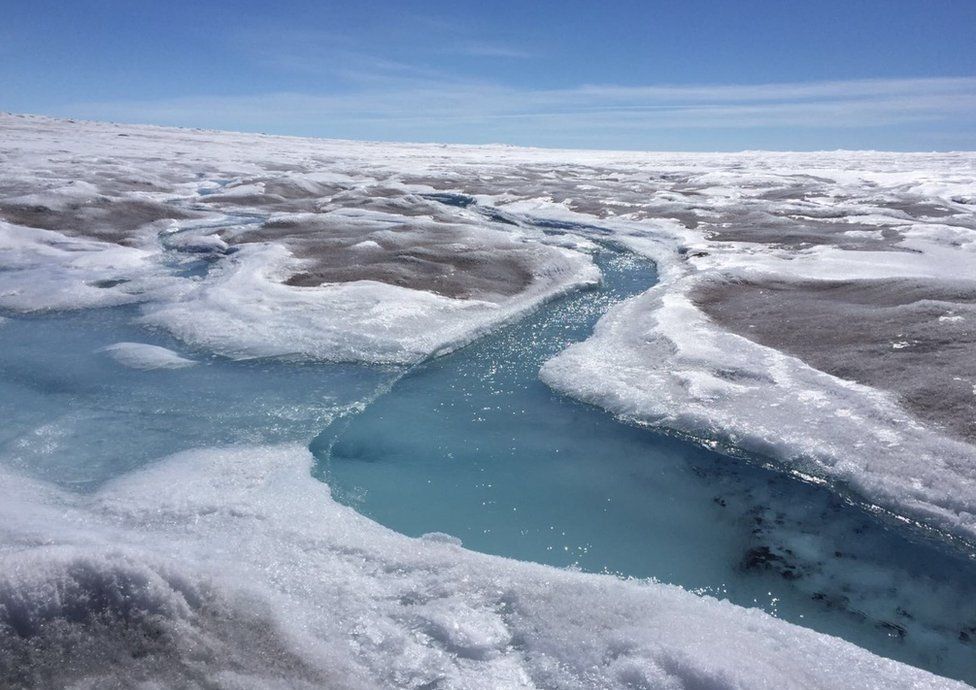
{"x": 411, "y": 105}
{"x": 319, "y": 55}
{"x": 488, "y": 49}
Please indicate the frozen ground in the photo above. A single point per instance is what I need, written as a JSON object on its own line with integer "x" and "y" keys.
{"x": 812, "y": 308}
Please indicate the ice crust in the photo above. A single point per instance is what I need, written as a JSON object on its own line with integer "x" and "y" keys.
{"x": 250, "y": 575}
{"x": 659, "y": 360}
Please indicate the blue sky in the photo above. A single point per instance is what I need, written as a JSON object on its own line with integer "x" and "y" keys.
{"x": 720, "y": 75}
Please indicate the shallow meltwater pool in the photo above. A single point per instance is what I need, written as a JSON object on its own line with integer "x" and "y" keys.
{"x": 473, "y": 445}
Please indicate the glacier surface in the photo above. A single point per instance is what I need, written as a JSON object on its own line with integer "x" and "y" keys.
{"x": 250, "y": 246}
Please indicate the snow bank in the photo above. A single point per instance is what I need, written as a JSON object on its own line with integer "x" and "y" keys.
{"x": 658, "y": 360}
{"x": 276, "y": 585}
{"x": 46, "y": 270}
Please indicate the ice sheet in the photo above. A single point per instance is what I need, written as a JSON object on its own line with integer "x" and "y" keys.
{"x": 206, "y": 229}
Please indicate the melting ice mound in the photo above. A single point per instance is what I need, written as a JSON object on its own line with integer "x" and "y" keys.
{"x": 145, "y": 356}
{"x": 243, "y": 311}
{"x": 250, "y": 574}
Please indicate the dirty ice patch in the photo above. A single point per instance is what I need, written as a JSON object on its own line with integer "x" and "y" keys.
{"x": 657, "y": 360}
{"x": 244, "y": 310}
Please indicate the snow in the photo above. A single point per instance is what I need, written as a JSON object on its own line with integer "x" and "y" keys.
{"x": 46, "y": 270}
{"x": 251, "y": 575}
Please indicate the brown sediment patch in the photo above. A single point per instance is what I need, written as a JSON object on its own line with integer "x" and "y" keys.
{"x": 689, "y": 219}
{"x": 109, "y": 220}
{"x": 290, "y": 188}
{"x": 291, "y": 196}
{"x": 518, "y": 186}
{"x": 911, "y": 337}
{"x": 473, "y": 274}
{"x": 797, "y": 232}
{"x": 919, "y": 209}
{"x": 440, "y": 258}
{"x": 785, "y": 194}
